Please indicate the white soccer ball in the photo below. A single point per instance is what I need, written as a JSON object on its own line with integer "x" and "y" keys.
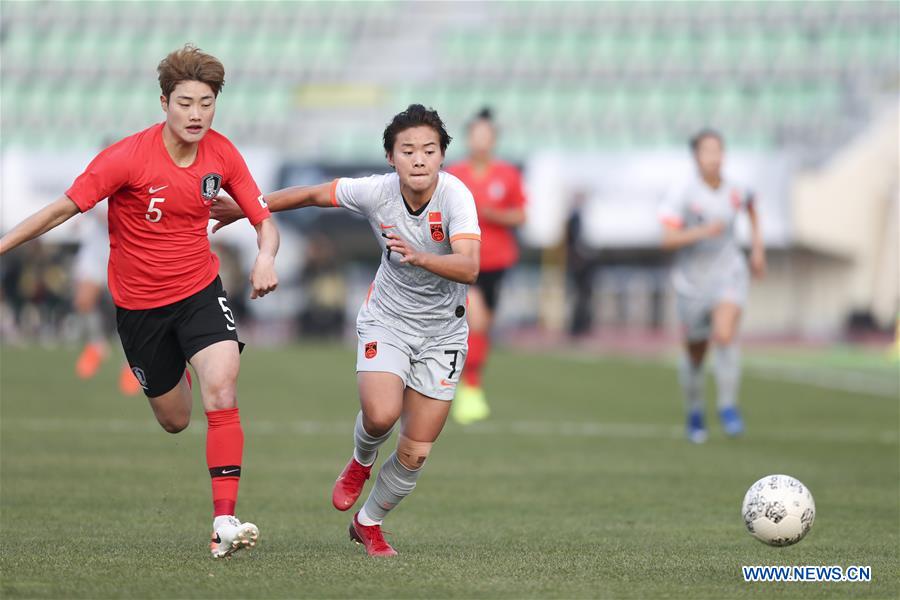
{"x": 778, "y": 510}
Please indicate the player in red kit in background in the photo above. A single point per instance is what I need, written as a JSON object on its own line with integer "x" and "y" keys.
{"x": 163, "y": 277}
{"x": 497, "y": 188}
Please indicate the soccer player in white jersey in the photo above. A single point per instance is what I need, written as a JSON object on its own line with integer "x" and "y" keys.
{"x": 89, "y": 274}
{"x": 412, "y": 326}
{"x": 710, "y": 278}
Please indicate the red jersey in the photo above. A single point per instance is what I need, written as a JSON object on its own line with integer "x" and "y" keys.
{"x": 159, "y": 212}
{"x": 500, "y": 187}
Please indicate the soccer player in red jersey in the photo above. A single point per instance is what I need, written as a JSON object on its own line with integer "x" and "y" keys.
{"x": 497, "y": 187}
{"x": 163, "y": 277}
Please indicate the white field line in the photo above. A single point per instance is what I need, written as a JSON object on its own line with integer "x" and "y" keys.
{"x": 586, "y": 429}
{"x": 854, "y": 382}
{"x": 844, "y": 380}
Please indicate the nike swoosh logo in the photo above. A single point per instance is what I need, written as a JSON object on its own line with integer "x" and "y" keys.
{"x": 383, "y": 226}
{"x": 446, "y": 383}
{"x": 230, "y": 472}
{"x": 154, "y": 190}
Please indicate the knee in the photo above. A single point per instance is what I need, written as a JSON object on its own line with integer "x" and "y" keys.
{"x": 723, "y": 337}
{"x": 175, "y": 424}
{"x": 220, "y": 395}
{"x": 378, "y": 423}
{"x": 695, "y": 353}
{"x": 411, "y": 453}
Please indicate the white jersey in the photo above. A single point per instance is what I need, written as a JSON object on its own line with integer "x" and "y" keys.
{"x": 702, "y": 268}
{"x": 93, "y": 251}
{"x": 404, "y": 297}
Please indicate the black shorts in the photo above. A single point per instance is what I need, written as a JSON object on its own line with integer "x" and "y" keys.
{"x": 489, "y": 284}
{"x": 159, "y": 341}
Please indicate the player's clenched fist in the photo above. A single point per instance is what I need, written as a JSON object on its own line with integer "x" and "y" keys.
{"x": 263, "y": 278}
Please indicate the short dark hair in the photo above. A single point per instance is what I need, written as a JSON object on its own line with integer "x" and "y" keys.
{"x": 706, "y": 132}
{"x": 485, "y": 114}
{"x": 415, "y": 115}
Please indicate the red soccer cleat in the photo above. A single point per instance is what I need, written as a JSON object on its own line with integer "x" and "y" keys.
{"x": 371, "y": 538}
{"x": 349, "y": 484}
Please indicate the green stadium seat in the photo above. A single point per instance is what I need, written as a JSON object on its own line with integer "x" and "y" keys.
{"x": 610, "y": 74}
{"x": 792, "y": 53}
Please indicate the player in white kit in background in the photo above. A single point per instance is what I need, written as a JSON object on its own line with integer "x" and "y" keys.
{"x": 412, "y": 326}
{"x": 710, "y": 278}
{"x": 89, "y": 274}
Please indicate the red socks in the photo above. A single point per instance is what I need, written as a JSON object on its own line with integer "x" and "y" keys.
{"x": 224, "y": 448}
{"x": 479, "y": 344}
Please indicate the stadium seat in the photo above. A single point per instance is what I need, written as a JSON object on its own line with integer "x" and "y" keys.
{"x": 590, "y": 73}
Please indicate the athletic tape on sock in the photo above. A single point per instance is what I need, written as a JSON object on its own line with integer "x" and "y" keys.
{"x": 412, "y": 454}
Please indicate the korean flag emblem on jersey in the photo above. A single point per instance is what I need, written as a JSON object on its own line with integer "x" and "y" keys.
{"x": 210, "y": 186}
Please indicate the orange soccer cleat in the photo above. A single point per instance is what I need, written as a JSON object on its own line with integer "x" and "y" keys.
{"x": 90, "y": 360}
{"x": 128, "y": 383}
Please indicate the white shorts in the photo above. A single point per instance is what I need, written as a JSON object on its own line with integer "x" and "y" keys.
{"x": 91, "y": 260}
{"x": 695, "y": 311}
{"x": 429, "y": 365}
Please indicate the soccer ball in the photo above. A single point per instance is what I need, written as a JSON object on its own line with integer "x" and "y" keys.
{"x": 778, "y": 510}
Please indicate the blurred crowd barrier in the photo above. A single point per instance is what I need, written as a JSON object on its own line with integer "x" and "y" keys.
{"x": 594, "y": 100}
{"x": 591, "y": 256}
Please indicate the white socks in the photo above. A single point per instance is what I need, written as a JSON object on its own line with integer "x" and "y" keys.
{"x": 365, "y": 445}
{"x": 692, "y": 382}
{"x": 728, "y": 374}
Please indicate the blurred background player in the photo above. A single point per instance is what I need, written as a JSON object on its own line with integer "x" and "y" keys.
{"x": 171, "y": 307}
{"x": 412, "y": 328}
{"x": 89, "y": 274}
{"x": 497, "y": 188}
{"x": 710, "y": 279}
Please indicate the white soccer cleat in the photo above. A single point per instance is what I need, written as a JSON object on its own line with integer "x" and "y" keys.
{"x": 230, "y": 535}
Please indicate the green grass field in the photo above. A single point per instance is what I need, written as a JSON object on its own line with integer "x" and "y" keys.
{"x": 579, "y": 486}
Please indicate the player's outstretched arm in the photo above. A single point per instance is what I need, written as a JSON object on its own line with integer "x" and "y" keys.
{"x": 461, "y": 266}
{"x": 301, "y": 196}
{"x": 757, "y": 248}
{"x": 676, "y": 237}
{"x": 226, "y": 211}
{"x": 263, "y": 278}
{"x": 56, "y": 213}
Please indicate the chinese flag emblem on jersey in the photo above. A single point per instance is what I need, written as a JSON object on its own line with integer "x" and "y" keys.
{"x": 434, "y": 222}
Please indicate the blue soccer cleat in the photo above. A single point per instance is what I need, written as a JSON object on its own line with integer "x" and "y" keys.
{"x": 732, "y": 422}
{"x": 696, "y": 429}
